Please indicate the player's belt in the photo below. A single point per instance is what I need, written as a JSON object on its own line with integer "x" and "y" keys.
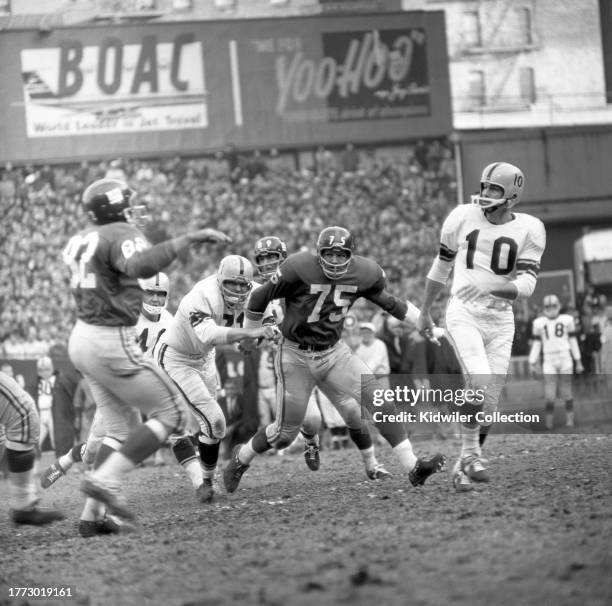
{"x": 306, "y": 347}
{"x": 494, "y": 303}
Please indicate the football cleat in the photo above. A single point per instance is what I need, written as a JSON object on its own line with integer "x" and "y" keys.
{"x": 474, "y": 469}
{"x": 461, "y": 482}
{"x": 378, "y": 472}
{"x": 311, "y": 456}
{"x": 106, "y": 525}
{"x": 234, "y": 470}
{"x": 205, "y": 491}
{"x": 52, "y": 474}
{"x": 425, "y": 468}
{"x": 35, "y": 516}
{"x": 109, "y": 495}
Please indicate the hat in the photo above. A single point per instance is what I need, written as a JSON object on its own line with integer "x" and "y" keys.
{"x": 367, "y": 326}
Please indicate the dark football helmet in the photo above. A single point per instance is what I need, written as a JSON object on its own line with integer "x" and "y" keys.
{"x": 109, "y": 200}
{"x": 338, "y": 239}
{"x": 270, "y": 252}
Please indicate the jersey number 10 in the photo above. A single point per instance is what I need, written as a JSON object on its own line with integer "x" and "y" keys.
{"x": 503, "y": 242}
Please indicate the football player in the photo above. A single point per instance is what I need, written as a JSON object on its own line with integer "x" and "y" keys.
{"x": 209, "y": 314}
{"x": 44, "y": 386}
{"x": 107, "y": 259}
{"x": 21, "y": 423}
{"x": 153, "y": 320}
{"x": 496, "y": 256}
{"x": 270, "y": 252}
{"x": 554, "y": 335}
{"x": 318, "y": 290}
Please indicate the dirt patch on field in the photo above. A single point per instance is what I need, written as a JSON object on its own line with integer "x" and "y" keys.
{"x": 540, "y": 533}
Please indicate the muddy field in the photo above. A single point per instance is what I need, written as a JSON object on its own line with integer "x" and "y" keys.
{"x": 540, "y": 533}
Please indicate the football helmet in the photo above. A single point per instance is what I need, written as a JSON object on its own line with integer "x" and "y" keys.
{"x": 508, "y": 178}
{"x": 156, "y": 290}
{"x": 552, "y": 306}
{"x": 270, "y": 252}
{"x": 235, "y": 280}
{"x": 109, "y": 200}
{"x": 338, "y": 239}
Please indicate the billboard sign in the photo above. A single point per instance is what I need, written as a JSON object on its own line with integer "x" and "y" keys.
{"x": 186, "y": 87}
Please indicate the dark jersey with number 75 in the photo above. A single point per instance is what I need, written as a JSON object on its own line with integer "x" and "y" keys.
{"x": 106, "y": 262}
{"x": 315, "y": 306}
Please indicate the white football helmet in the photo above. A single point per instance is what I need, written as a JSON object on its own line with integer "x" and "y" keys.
{"x": 552, "y": 306}
{"x": 505, "y": 176}
{"x": 156, "y": 291}
{"x": 235, "y": 280}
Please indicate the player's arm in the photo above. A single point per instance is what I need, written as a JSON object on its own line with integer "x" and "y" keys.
{"x": 281, "y": 284}
{"x": 574, "y": 347}
{"x": 137, "y": 260}
{"x": 210, "y": 333}
{"x": 536, "y": 346}
{"x": 440, "y": 270}
{"x": 404, "y": 311}
{"x": 528, "y": 264}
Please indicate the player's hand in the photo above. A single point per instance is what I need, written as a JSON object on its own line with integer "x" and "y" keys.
{"x": 247, "y": 346}
{"x": 534, "y": 369}
{"x": 428, "y": 329}
{"x": 471, "y": 292}
{"x": 208, "y": 235}
{"x": 424, "y": 323}
{"x": 579, "y": 367}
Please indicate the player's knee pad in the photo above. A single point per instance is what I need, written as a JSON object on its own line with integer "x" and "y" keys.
{"x": 20, "y": 461}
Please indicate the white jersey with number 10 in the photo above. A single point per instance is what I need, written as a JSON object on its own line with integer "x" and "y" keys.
{"x": 484, "y": 252}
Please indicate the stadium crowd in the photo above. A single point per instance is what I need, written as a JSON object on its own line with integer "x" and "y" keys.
{"x": 393, "y": 200}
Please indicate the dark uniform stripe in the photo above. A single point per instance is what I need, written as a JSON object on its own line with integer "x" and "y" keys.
{"x": 198, "y": 413}
{"x": 280, "y": 393}
{"x": 446, "y": 254}
{"x": 491, "y": 171}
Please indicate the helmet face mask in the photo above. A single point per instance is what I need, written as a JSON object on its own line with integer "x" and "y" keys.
{"x": 235, "y": 280}
{"x": 335, "y": 239}
{"x": 499, "y": 178}
{"x": 110, "y": 200}
{"x": 156, "y": 290}
{"x": 270, "y": 252}
{"x": 552, "y": 306}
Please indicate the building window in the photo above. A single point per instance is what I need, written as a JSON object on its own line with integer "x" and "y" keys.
{"x": 527, "y": 85}
{"x": 525, "y": 25}
{"x": 476, "y": 88}
{"x": 471, "y": 29}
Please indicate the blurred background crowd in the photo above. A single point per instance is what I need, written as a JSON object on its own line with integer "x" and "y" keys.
{"x": 393, "y": 199}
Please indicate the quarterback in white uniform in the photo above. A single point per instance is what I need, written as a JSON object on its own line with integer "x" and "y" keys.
{"x": 209, "y": 314}
{"x": 496, "y": 258}
{"x": 554, "y": 336}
